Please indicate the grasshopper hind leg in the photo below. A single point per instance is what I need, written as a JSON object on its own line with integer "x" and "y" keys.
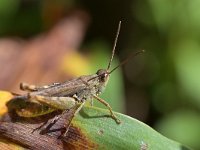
{"x": 60, "y": 103}
{"x": 26, "y": 87}
{"x": 77, "y": 109}
{"x": 31, "y": 88}
{"x": 67, "y": 115}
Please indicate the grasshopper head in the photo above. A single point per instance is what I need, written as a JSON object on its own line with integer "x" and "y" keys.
{"x": 103, "y": 75}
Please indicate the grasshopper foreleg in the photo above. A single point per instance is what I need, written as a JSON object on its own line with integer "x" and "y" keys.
{"x": 110, "y": 109}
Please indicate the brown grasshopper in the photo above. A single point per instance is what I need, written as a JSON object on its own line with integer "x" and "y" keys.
{"x": 64, "y": 96}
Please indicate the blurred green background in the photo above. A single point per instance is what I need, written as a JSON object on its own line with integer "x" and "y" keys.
{"x": 160, "y": 87}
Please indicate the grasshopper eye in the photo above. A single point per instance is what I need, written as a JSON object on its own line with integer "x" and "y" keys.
{"x": 103, "y": 74}
{"x": 103, "y": 77}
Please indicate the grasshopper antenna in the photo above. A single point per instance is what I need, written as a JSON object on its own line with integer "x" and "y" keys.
{"x": 127, "y": 59}
{"x": 113, "y": 50}
{"x": 114, "y": 46}
{"x": 122, "y": 63}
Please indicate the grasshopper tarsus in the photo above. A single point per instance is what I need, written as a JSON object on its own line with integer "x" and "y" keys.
{"x": 116, "y": 119}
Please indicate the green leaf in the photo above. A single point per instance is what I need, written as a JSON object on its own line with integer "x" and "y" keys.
{"x": 130, "y": 134}
{"x": 91, "y": 128}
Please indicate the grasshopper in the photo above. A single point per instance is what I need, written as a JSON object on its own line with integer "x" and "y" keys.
{"x": 74, "y": 93}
